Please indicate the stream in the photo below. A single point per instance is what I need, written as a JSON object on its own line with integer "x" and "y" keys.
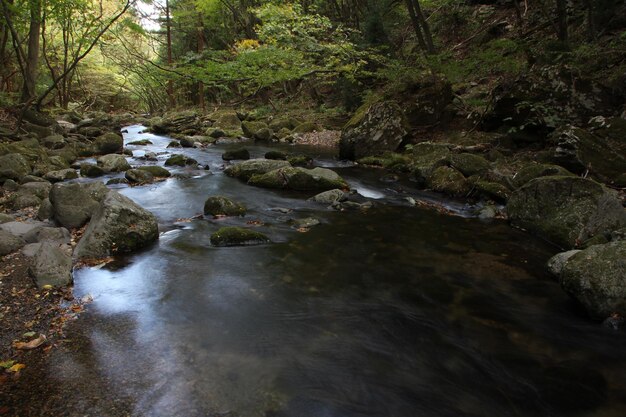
{"x": 397, "y": 311}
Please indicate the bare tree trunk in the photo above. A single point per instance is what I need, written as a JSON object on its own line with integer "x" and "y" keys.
{"x": 168, "y": 24}
{"x": 32, "y": 59}
{"x": 591, "y": 19}
{"x": 424, "y": 25}
{"x": 416, "y": 25}
{"x": 201, "y": 42}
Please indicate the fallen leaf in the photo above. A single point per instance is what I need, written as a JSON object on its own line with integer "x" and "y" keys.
{"x": 6, "y": 364}
{"x": 28, "y": 335}
{"x": 33, "y": 344}
{"x": 17, "y": 367}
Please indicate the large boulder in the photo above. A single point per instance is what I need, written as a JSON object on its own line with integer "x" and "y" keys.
{"x": 109, "y": 143}
{"x": 245, "y": 170}
{"x": 601, "y": 149}
{"x": 373, "y": 130}
{"x": 449, "y": 181}
{"x": 426, "y": 157}
{"x": 91, "y": 170}
{"x": 300, "y": 179}
{"x": 424, "y": 102}
{"x": 469, "y": 164}
{"x": 138, "y": 176}
{"x": 119, "y": 225}
{"x": 52, "y": 265}
{"x": 233, "y": 154}
{"x": 13, "y": 166}
{"x": 180, "y": 160}
{"x": 113, "y": 163}
{"x": 222, "y": 206}
{"x": 566, "y": 210}
{"x": 74, "y": 204}
{"x": 61, "y": 175}
{"x": 156, "y": 171}
{"x": 596, "y": 277}
{"x": 535, "y": 170}
{"x": 329, "y": 197}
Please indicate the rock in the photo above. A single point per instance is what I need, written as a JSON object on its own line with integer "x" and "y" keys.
{"x": 305, "y": 223}
{"x": 596, "y": 277}
{"x": 449, "y": 181}
{"x": 109, "y": 143}
{"x": 45, "y": 211}
{"x": 306, "y": 127}
{"x": 173, "y": 144}
{"x": 250, "y": 128}
{"x": 32, "y": 178}
{"x": 113, "y": 163}
{"x": 9, "y": 243}
{"x": 491, "y": 190}
{"x": 61, "y": 175}
{"x": 300, "y": 160}
{"x": 566, "y": 210}
{"x": 532, "y": 171}
{"x": 373, "y": 130}
{"x": 186, "y": 142}
{"x": 487, "y": 213}
{"x": 558, "y": 261}
{"x": 91, "y": 170}
{"x": 156, "y": 171}
{"x": 5, "y": 218}
{"x": 264, "y": 134}
{"x": 237, "y": 236}
{"x": 138, "y": 176}
{"x": 20, "y": 202}
{"x": 150, "y": 156}
{"x": 119, "y": 225}
{"x": 469, "y": 164}
{"x": 43, "y": 233}
{"x": 229, "y": 122}
{"x": 13, "y": 166}
{"x": 300, "y": 179}
{"x": 241, "y": 153}
{"x": 142, "y": 142}
{"x": 223, "y": 206}
{"x": 329, "y": 197}
{"x": 20, "y": 229}
{"x": 601, "y": 149}
{"x": 215, "y": 133}
{"x": 426, "y": 157}
{"x": 279, "y": 124}
{"x": 53, "y": 141}
{"x": 117, "y": 181}
{"x": 10, "y": 185}
{"x": 74, "y": 204}
{"x": 425, "y": 101}
{"x": 245, "y": 170}
{"x": 51, "y": 265}
{"x": 180, "y": 160}
{"x": 276, "y": 155}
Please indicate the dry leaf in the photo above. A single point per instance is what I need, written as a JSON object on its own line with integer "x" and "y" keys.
{"x": 17, "y": 367}
{"x": 33, "y": 344}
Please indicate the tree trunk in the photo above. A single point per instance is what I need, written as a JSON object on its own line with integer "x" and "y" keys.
{"x": 416, "y": 25}
{"x": 168, "y": 24}
{"x": 561, "y": 11}
{"x": 32, "y": 59}
{"x": 591, "y": 19}
{"x": 424, "y": 25}
{"x": 201, "y": 43}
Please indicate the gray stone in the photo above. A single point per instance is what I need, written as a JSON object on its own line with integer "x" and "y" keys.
{"x": 74, "y": 204}
{"x": 374, "y": 129}
{"x": 45, "y": 211}
{"x": 53, "y": 141}
{"x": 300, "y": 179}
{"x": 156, "y": 171}
{"x": 241, "y": 153}
{"x": 238, "y": 236}
{"x": 91, "y": 170}
{"x": 9, "y": 242}
{"x": 109, "y": 143}
{"x": 118, "y": 226}
{"x": 44, "y": 233}
{"x": 13, "y": 166}
{"x": 10, "y": 185}
{"x": 329, "y": 197}
{"x": 52, "y": 265}
{"x": 113, "y": 163}
{"x": 138, "y": 176}
{"x": 558, "y": 261}
{"x": 246, "y": 169}
{"x": 305, "y": 223}
{"x": 61, "y": 175}
{"x": 19, "y": 229}
{"x": 5, "y": 218}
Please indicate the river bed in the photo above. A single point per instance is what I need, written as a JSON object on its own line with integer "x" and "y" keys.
{"x": 397, "y": 311}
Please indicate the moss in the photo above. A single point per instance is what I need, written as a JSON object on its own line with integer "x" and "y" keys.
{"x": 156, "y": 171}
{"x": 449, "y": 181}
{"x": 222, "y": 206}
{"x": 180, "y": 160}
{"x": 237, "y": 236}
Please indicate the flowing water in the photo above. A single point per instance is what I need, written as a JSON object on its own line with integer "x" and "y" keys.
{"x": 397, "y": 311}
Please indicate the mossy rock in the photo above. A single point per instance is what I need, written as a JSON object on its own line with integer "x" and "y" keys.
{"x": 13, "y": 166}
{"x": 376, "y": 161}
{"x": 142, "y": 142}
{"x": 566, "y": 210}
{"x": 61, "y": 175}
{"x": 241, "y": 153}
{"x": 156, "y": 171}
{"x": 276, "y": 155}
{"x": 306, "y": 127}
{"x": 109, "y": 143}
{"x": 91, "y": 170}
{"x": 264, "y": 134}
{"x": 180, "y": 160}
{"x": 246, "y": 169}
{"x": 238, "y": 236}
{"x": 300, "y": 160}
{"x": 533, "y": 170}
{"x": 491, "y": 190}
{"x": 229, "y": 122}
{"x": 469, "y": 164}
{"x": 596, "y": 277}
{"x": 113, "y": 163}
{"x": 449, "y": 181}
{"x": 279, "y": 124}
{"x": 138, "y": 176}
{"x": 300, "y": 179}
{"x": 282, "y": 133}
{"x": 223, "y": 206}
{"x": 426, "y": 157}
{"x": 251, "y": 128}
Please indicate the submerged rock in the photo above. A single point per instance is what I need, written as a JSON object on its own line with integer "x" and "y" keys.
{"x": 241, "y": 153}
{"x": 180, "y": 160}
{"x": 155, "y": 170}
{"x": 138, "y": 176}
{"x": 373, "y": 130}
{"x": 119, "y": 225}
{"x": 329, "y": 197}
{"x": 113, "y": 163}
{"x": 223, "y": 206}
{"x": 566, "y": 210}
{"x": 238, "y": 236}
{"x": 91, "y": 170}
{"x": 300, "y": 179}
{"x": 596, "y": 277}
